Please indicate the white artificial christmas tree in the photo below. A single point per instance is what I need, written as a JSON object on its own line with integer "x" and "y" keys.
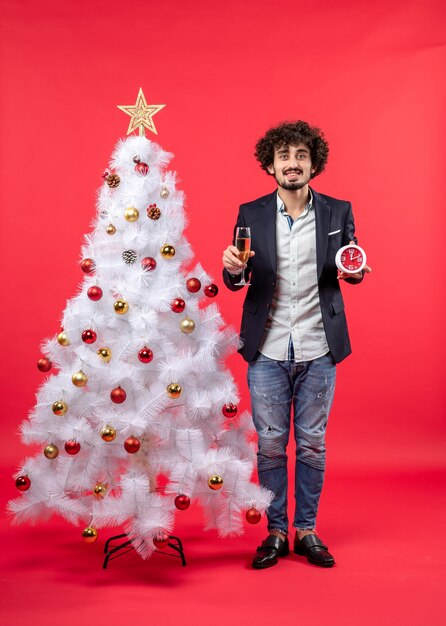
{"x": 139, "y": 387}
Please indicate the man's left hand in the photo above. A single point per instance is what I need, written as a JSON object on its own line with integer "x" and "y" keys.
{"x": 343, "y": 275}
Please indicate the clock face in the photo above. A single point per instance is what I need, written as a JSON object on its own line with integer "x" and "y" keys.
{"x": 350, "y": 259}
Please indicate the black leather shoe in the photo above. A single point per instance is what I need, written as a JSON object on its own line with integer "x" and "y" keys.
{"x": 268, "y": 552}
{"x": 314, "y": 549}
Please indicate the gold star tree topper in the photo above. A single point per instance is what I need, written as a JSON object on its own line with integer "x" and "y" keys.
{"x": 141, "y": 114}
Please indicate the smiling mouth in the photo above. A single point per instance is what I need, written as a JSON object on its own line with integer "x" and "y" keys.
{"x": 293, "y": 173}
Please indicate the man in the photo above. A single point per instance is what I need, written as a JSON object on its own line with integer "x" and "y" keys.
{"x": 293, "y": 328}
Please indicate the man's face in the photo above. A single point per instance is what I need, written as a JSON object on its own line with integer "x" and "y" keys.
{"x": 292, "y": 166}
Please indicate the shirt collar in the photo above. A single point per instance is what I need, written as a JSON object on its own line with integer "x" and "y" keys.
{"x": 281, "y": 206}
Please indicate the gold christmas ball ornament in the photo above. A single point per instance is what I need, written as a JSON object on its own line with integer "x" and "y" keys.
{"x": 121, "y": 307}
{"x": 187, "y": 325}
{"x": 100, "y": 490}
{"x": 174, "y": 390}
{"x": 60, "y": 407}
{"x": 168, "y": 251}
{"x": 164, "y": 193}
{"x": 215, "y": 482}
{"x": 108, "y": 433}
{"x": 79, "y": 379}
{"x": 131, "y": 214}
{"x": 105, "y": 354}
{"x": 90, "y": 534}
{"x": 62, "y": 338}
{"x": 111, "y": 229}
{"x": 51, "y": 451}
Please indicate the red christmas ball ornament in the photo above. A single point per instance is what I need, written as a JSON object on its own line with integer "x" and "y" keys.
{"x": 142, "y": 168}
{"x": 211, "y": 290}
{"x": 182, "y": 502}
{"x": 94, "y": 293}
{"x": 72, "y": 447}
{"x": 23, "y": 483}
{"x": 105, "y": 174}
{"x": 89, "y": 336}
{"x": 178, "y": 305}
{"x": 145, "y": 355}
{"x": 132, "y": 445}
{"x": 118, "y": 395}
{"x": 253, "y": 516}
{"x": 161, "y": 541}
{"x": 229, "y": 410}
{"x": 193, "y": 285}
{"x": 44, "y": 365}
{"x": 87, "y": 266}
{"x": 148, "y": 263}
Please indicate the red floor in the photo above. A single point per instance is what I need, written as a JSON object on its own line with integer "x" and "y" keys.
{"x": 385, "y": 530}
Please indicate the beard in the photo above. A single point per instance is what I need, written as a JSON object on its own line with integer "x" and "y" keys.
{"x": 290, "y": 185}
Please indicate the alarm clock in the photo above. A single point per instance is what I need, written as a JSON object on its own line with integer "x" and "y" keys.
{"x": 350, "y": 259}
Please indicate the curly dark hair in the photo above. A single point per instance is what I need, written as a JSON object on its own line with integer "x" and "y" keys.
{"x": 293, "y": 133}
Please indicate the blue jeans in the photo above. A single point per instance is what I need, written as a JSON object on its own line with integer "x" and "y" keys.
{"x": 310, "y": 387}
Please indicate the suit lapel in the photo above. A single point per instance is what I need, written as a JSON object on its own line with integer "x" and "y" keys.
{"x": 322, "y": 214}
{"x": 268, "y": 226}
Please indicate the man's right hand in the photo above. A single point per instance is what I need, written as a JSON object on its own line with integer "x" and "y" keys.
{"x": 231, "y": 261}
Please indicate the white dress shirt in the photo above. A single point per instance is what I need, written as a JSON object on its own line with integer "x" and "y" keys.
{"x": 295, "y": 318}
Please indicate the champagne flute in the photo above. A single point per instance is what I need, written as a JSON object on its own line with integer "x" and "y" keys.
{"x": 243, "y": 245}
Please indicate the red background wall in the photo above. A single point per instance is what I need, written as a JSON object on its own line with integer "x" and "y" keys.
{"x": 369, "y": 74}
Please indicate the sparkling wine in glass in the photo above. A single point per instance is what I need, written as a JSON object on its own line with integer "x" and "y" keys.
{"x": 243, "y": 245}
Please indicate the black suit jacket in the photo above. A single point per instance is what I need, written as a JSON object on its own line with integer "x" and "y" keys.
{"x": 332, "y": 216}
